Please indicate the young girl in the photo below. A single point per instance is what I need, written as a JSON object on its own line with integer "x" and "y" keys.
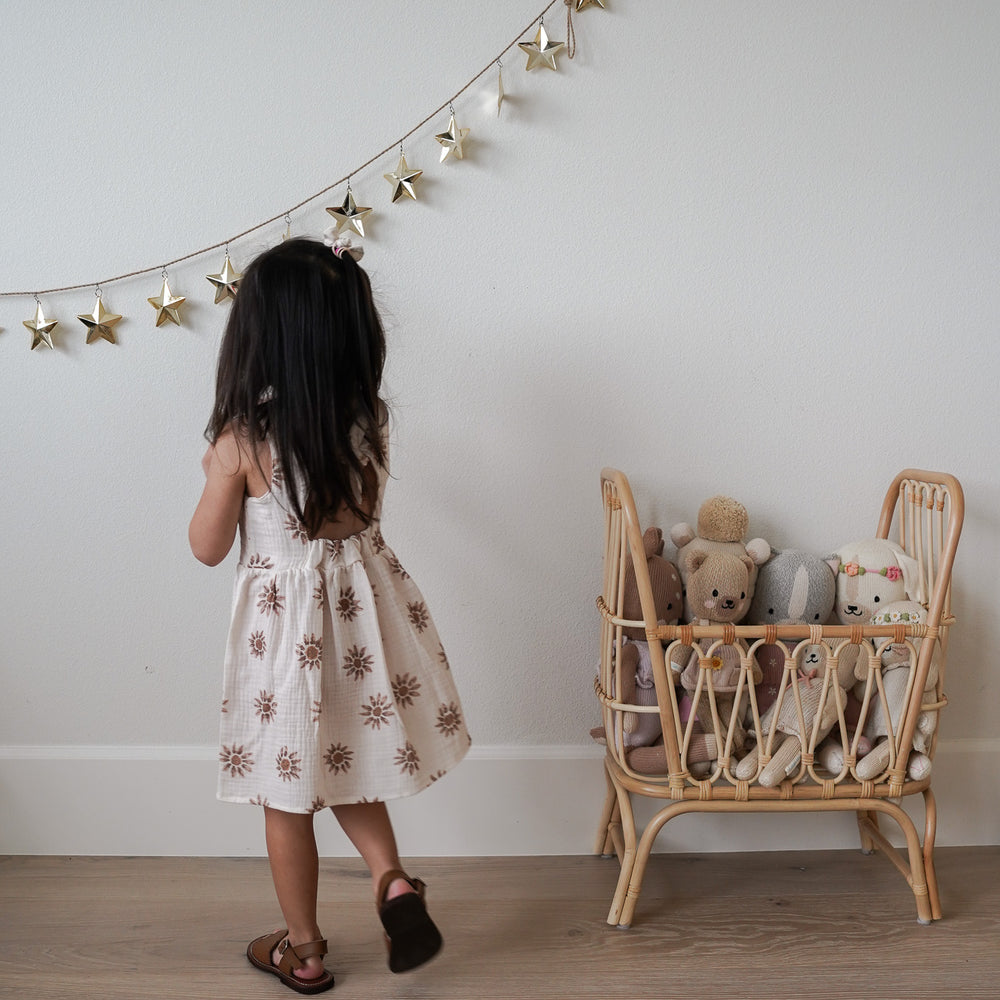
{"x": 337, "y": 691}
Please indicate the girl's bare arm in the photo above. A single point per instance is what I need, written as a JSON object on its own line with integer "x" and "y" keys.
{"x": 213, "y": 526}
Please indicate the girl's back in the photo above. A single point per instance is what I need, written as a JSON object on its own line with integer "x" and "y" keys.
{"x": 332, "y": 658}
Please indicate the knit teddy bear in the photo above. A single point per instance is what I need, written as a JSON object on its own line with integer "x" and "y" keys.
{"x": 719, "y": 571}
{"x": 722, "y": 528}
{"x": 791, "y": 737}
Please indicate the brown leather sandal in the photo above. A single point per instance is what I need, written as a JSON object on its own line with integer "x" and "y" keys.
{"x": 259, "y": 952}
{"x": 410, "y": 935}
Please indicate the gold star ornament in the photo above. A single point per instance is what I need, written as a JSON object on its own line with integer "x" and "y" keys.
{"x": 40, "y": 327}
{"x": 350, "y": 215}
{"x": 167, "y": 305}
{"x": 542, "y": 51}
{"x": 225, "y": 281}
{"x": 584, "y": 4}
{"x": 402, "y": 179}
{"x": 100, "y": 323}
{"x": 451, "y": 141}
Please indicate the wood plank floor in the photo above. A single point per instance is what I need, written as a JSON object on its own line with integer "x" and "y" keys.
{"x": 818, "y": 925}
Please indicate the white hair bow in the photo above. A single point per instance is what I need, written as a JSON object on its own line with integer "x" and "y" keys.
{"x": 342, "y": 244}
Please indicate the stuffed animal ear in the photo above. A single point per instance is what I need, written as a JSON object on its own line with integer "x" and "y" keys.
{"x": 758, "y": 550}
{"x": 652, "y": 542}
{"x": 833, "y": 562}
{"x": 693, "y": 561}
{"x": 913, "y": 580}
{"x": 681, "y": 534}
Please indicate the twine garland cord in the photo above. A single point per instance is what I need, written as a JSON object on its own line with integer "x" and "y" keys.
{"x": 570, "y": 32}
{"x": 283, "y": 215}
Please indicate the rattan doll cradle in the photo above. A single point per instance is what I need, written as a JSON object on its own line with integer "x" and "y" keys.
{"x": 927, "y": 509}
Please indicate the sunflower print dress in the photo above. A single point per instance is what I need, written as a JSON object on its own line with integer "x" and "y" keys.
{"x": 336, "y": 686}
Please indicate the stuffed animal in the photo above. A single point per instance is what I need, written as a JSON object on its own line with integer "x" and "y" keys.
{"x": 701, "y": 749}
{"x": 634, "y": 665}
{"x": 895, "y": 680}
{"x": 791, "y": 737}
{"x": 831, "y": 753}
{"x": 871, "y": 574}
{"x": 719, "y": 571}
{"x": 722, "y": 528}
{"x": 793, "y": 587}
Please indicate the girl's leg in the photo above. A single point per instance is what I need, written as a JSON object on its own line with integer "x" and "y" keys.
{"x": 411, "y": 935}
{"x": 291, "y": 849}
{"x": 369, "y": 829}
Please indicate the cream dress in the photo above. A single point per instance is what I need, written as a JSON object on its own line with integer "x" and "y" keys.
{"x": 336, "y": 688}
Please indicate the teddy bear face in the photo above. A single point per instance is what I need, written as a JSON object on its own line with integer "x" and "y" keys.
{"x": 718, "y": 585}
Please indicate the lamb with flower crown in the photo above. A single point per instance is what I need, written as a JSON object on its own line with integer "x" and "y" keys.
{"x": 872, "y": 574}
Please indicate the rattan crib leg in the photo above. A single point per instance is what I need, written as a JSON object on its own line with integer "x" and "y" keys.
{"x": 643, "y": 850}
{"x": 614, "y": 846}
{"x": 634, "y": 887}
{"x": 865, "y": 817}
{"x": 912, "y": 866}
{"x": 930, "y": 832}
{"x": 626, "y": 855}
{"x": 610, "y": 817}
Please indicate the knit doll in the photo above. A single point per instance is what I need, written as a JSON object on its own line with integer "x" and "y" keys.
{"x": 633, "y": 662}
{"x": 793, "y": 734}
{"x": 793, "y": 587}
{"x": 872, "y": 574}
{"x": 718, "y": 586}
{"x": 719, "y": 571}
{"x": 895, "y": 668}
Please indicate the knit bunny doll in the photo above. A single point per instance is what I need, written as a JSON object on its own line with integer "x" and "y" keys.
{"x": 895, "y": 681}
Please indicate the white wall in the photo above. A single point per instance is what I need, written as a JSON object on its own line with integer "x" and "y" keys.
{"x": 731, "y": 247}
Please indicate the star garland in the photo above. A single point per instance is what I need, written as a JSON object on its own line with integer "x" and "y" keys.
{"x": 225, "y": 281}
{"x": 349, "y": 215}
{"x": 40, "y": 327}
{"x": 452, "y": 140}
{"x": 403, "y": 179}
{"x": 100, "y": 322}
{"x": 167, "y": 305}
{"x": 542, "y": 51}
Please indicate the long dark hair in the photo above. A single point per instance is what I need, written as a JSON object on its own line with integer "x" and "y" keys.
{"x": 300, "y": 365}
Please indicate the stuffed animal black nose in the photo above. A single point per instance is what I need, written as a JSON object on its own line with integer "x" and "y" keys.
{"x": 729, "y": 604}
{"x": 852, "y": 609}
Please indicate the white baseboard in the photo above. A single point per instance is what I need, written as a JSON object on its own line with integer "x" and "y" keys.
{"x": 519, "y": 800}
